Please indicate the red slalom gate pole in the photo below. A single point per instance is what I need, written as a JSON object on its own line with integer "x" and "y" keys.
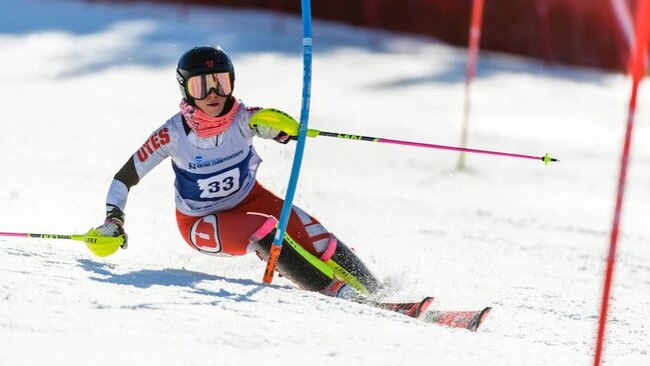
{"x": 472, "y": 57}
{"x": 638, "y": 64}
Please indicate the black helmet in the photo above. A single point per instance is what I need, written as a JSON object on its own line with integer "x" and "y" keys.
{"x": 203, "y": 60}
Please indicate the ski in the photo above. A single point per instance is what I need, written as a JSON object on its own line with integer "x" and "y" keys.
{"x": 457, "y": 319}
{"x": 413, "y": 309}
{"x": 470, "y": 320}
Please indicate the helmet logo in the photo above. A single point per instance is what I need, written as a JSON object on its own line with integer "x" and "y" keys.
{"x": 210, "y": 63}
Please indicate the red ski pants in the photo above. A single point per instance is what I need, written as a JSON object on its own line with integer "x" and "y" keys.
{"x": 228, "y": 232}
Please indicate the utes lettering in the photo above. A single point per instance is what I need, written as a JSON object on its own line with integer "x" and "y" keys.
{"x": 155, "y": 141}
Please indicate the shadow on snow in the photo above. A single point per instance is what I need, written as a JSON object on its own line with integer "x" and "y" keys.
{"x": 147, "y": 278}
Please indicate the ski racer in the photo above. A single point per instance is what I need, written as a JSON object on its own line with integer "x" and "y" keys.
{"x": 221, "y": 208}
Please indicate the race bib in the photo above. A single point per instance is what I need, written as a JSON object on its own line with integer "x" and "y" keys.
{"x": 220, "y": 185}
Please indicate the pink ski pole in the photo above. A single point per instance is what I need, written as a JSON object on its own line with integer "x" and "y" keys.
{"x": 313, "y": 133}
{"x": 42, "y": 236}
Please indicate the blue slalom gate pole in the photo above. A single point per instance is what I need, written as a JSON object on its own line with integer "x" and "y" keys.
{"x": 300, "y": 146}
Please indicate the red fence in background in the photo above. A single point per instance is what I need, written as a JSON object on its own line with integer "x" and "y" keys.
{"x": 578, "y": 32}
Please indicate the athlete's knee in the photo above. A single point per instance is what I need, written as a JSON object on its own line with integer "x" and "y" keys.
{"x": 294, "y": 262}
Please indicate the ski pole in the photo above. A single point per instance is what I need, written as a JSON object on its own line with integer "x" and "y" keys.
{"x": 99, "y": 245}
{"x": 314, "y": 133}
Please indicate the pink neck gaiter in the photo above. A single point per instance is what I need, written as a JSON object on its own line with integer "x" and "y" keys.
{"x": 204, "y": 124}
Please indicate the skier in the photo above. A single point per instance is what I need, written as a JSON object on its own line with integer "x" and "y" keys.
{"x": 221, "y": 209}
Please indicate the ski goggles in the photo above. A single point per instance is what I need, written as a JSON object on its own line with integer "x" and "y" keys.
{"x": 199, "y": 86}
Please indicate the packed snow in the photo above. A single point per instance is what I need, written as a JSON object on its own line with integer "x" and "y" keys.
{"x": 83, "y": 84}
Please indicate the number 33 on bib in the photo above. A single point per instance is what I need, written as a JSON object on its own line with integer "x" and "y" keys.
{"x": 220, "y": 185}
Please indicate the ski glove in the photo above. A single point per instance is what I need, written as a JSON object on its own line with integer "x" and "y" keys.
{"x": 268, "y": 132}
{"x": 114, "y": 225}
{"x": 274, "y": 124}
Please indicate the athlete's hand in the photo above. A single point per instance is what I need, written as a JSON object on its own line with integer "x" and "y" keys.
{"x": 274, "y": 124}
{"x": 267, "y": 132}
{"x": 113, "y": 227}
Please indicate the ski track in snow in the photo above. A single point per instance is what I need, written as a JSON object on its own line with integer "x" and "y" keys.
{"x": 84, "y": 84}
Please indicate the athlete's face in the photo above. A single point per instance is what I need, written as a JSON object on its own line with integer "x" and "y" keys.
{"x": 212, "y": 104}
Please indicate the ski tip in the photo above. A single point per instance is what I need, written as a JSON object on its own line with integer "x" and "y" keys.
{"x": 478, "y": 319}
{"x": 410, "y": 309}
{"x": 422, "y": 307}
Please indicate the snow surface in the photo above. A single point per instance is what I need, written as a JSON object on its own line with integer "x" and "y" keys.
{"x": 83, "y": 84}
